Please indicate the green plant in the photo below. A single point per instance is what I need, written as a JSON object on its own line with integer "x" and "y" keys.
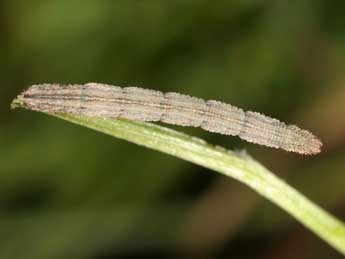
{"x": 239, "y": 166}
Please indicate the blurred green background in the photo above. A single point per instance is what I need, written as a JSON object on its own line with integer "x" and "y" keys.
{"x": 67, "y": 191}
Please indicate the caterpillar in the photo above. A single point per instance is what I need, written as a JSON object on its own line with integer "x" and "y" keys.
{"x": 134, "y": 103}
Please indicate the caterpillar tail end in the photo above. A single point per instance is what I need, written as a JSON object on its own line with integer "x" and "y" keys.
{"x": 302, "y": 141}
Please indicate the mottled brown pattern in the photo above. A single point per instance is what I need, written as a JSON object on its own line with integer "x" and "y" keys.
{"x": 101, "y": 100}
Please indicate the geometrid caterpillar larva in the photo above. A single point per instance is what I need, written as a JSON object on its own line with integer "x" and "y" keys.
{"x": 101, "y": 100}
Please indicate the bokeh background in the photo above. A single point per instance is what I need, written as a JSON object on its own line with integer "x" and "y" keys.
{"x": 67, "y": 191}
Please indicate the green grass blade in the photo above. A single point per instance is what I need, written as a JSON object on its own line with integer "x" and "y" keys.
{"x": 239, "y": 166}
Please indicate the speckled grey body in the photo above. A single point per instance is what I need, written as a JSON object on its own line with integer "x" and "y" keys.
{"x": 101, "y": 100}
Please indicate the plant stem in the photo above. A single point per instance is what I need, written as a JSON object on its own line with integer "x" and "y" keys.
{"x": 239, "y": 166}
